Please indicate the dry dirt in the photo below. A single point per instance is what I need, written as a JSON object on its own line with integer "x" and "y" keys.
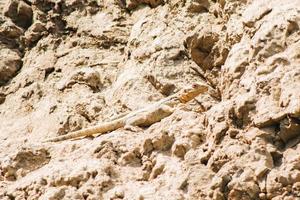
{"x": 67, "y": 65}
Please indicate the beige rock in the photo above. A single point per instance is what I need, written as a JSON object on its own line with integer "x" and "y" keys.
{"x": 34, "y": 33}
{"x": 179, "y": 149}
{"x": 8, "y": 29}
{"x": 20, "y": 12}
{"x": 9, "y": 65}
{"x": 289, "y": 129}
{"x": 23, "y": 162}
{"x": 131, "y": 4}
{"x": 2, "y": 98}
{"x": 86, "y": 76}
{"x": 198, "y": 6}
{"x": 163, "y": 142}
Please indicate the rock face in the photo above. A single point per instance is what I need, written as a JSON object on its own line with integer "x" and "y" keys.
{"x": 68, "y": 65}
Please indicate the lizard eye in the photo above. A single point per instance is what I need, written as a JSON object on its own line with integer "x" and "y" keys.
{"x": 195, "y": 85}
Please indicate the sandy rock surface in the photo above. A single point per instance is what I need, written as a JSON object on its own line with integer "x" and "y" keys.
{"x": 68, "y": 65}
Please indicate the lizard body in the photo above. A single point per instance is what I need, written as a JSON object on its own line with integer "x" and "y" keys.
{"x": 142, "y": 117}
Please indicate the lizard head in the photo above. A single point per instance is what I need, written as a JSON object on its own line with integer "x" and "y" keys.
{"x": 192, "y": 91}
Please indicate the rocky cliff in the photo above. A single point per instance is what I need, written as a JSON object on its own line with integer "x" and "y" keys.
{"x": 68, "y": 65}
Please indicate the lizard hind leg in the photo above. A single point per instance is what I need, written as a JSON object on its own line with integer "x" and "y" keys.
{"x": 151, "y": 116}
{"x": 134, "y": 122}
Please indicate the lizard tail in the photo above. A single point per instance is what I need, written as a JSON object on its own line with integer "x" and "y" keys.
{"x": 102, "y": 128}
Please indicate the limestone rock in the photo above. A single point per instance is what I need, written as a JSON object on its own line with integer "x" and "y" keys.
{"x": 20, "y": 12}
{"x": 289, "y": 129}
{"x": 9, "y": 30}
{"x": 34, "y": 33}
{"x": 131, "y": 4}
{"x": 198, "y": 6}
{"x": 86, "y": 76}
{"x": 23, "y": 162}
{"x": 10, "y": 63}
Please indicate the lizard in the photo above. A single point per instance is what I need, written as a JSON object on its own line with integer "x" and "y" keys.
{"x": 143, "y": 117}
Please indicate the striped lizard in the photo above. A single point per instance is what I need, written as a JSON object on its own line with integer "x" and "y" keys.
{"x": 143, "y": 117}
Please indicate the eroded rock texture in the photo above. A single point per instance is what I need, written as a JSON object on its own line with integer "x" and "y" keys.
{"x": 67, "y": 65}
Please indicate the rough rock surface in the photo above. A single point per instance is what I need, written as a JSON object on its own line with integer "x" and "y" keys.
{"x": 67, "y": 65}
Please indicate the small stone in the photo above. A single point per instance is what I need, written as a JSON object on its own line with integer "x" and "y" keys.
{"x": 163, "y": 142}
{"x": 289, "y": 129}
{"x": 195, "y": 141}
{"x": 34, "y": 33}
{"x": 262, "y": 196}
{"x": 8, "y": 29}
{"x": 10, "y": 63}
{"x": 131, "y": 158}
{"x": 157, "y": 170}
{"x": 179, "y": 149}
{"x": 19, "y": 12}
{"x": 2, "y": 98}
{"x": 147, "y": 147}
{"x": 233, "y": 133}
{"x": 87, "y": 76}
{"x": 119, "y": 194}
{"x": 198, "y": 6}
